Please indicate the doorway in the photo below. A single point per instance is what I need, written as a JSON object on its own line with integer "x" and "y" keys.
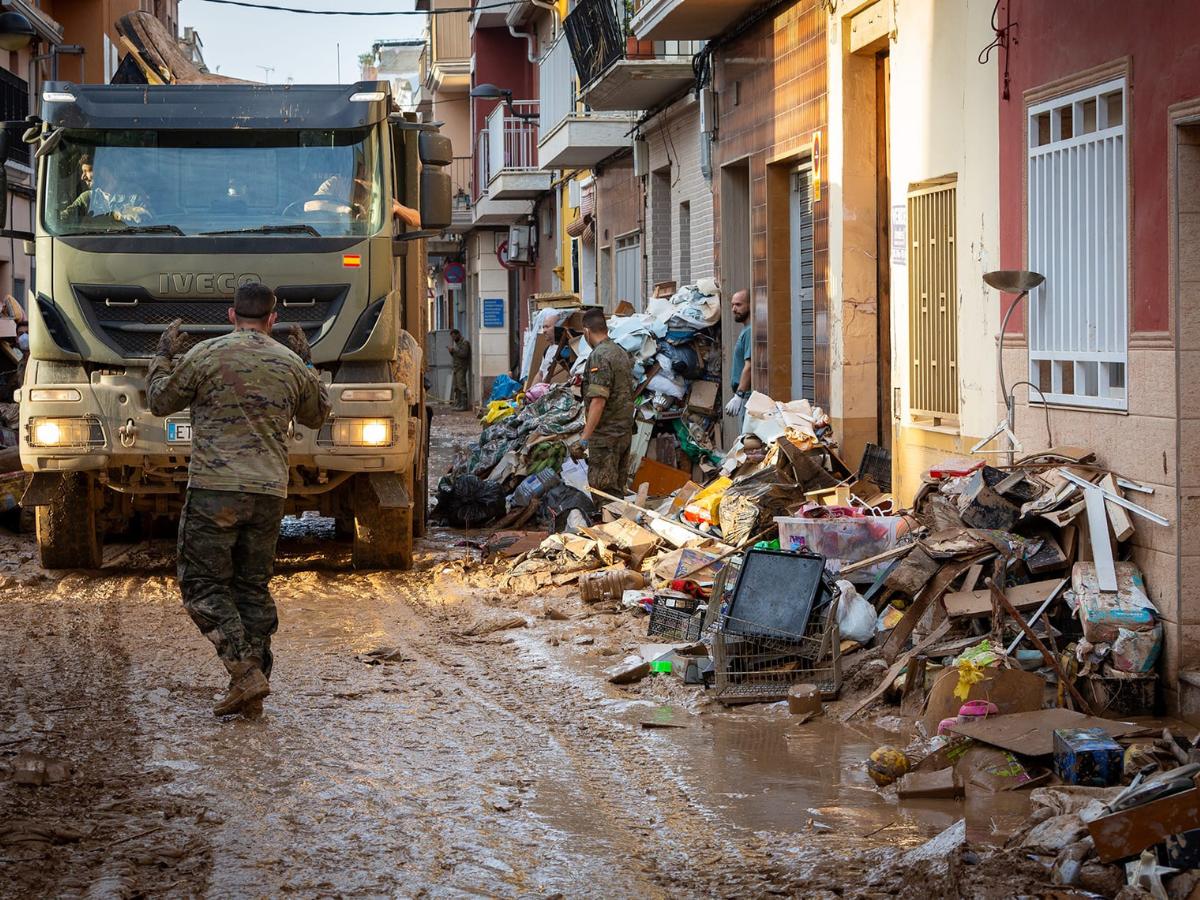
{"x": 735, "y": 257}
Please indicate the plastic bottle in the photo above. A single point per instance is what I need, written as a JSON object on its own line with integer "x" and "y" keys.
{"x": 533, "y": 487}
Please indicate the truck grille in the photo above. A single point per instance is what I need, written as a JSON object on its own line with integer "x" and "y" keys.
{"x": 131, "y": 319}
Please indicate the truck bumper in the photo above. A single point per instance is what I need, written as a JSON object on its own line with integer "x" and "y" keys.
{"x": 111, "y": 427}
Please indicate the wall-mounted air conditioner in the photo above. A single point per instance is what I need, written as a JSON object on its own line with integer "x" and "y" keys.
{"x": 520, "y": 245}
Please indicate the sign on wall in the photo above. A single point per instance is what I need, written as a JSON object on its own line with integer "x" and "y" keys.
{"x": 899, "y": 235}
{"x": 493, "y": 312}
{"x": 454, "y": 273}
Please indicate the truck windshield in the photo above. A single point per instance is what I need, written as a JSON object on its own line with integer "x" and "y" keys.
{"x": 304, "y": 182}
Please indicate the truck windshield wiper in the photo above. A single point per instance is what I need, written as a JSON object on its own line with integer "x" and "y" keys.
{"x": 138, "y": 229}
{"x": 294, "y": 228}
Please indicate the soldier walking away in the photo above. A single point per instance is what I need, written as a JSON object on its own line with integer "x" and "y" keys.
{"x": 243, "y": 389}
{"x": 460, "y": 350}
{"x": 608, "y": 398}
{"x": 740, "y": 380}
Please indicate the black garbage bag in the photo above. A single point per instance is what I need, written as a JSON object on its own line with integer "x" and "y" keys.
{"x": 559, "y": 501}
{"x": 468, "y": 501}
{"x": 685, "y": 361}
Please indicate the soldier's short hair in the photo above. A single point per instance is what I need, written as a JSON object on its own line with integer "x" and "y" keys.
{"x": 593, "y": 320}
{"x": 253, "y": 300}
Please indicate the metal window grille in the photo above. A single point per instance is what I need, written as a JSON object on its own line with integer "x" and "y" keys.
{"x": 595, "y": 33}
{"x": 1078, "y": 239}
{"x": 14, "y": 107}
{"x": 933, "y": 301}
{"x": 803, "y": 284}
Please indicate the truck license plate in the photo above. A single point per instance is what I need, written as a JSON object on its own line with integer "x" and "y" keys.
{"x": 179, "y": 432}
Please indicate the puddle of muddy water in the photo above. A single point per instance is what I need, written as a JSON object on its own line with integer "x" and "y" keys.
{"x": 754, "y": 767}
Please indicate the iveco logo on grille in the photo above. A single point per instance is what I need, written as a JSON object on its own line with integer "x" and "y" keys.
{"x": 192, "y": 283}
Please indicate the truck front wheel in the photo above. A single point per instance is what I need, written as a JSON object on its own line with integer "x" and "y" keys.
{"x": 68, "y": 529}
{"x": 383, "y": 537}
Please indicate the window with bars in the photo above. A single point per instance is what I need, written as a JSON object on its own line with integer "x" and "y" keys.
{"x": 933, "y": 300}
{"x": 1078, "y": 239}
{"x": 14, "y": 107}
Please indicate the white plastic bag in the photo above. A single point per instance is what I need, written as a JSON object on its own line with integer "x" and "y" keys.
{"x": 856, "y": 617}
{"x": 575, "y": 473}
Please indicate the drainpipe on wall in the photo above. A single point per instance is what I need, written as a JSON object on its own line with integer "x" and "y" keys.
{"x": 530, "y": 40}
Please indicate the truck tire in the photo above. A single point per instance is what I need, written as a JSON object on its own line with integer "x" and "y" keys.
{"x": 383, "y": 538}
{"x": 68, "y": 530}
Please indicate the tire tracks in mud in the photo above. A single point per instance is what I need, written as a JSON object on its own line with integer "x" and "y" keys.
{"x": 66, "y": 669}
{"x": 667, "y": 842}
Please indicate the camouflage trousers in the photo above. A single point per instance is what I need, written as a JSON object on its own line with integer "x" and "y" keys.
{"x": 458, "y": 393}
{"x": 608, "y": 465}
{"x": 226, "y": 558}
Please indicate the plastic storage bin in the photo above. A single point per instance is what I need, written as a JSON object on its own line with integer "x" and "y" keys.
{"x": 842, "y": 541}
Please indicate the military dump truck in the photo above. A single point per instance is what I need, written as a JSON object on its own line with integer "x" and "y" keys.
{"x": 154, "y": 202}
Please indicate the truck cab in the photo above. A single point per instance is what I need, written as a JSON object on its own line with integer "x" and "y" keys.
{"x": 154, "y": 203}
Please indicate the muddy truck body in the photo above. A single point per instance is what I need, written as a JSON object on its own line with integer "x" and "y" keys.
{"x": 153, "y": 204}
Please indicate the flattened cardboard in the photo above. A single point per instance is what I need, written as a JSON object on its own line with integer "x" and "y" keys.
{"x": 1032, "y": 733}
{"x": 1012, "y": 690}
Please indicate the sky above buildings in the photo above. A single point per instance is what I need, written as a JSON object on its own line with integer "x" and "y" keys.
{"x": 239, "y": 42}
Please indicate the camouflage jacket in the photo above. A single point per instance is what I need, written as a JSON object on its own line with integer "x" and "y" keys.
{"x": 243, "y": 389}
{"x": 609, "y": 374}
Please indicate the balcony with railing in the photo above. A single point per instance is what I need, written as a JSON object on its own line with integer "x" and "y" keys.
{"x": 570, "y": 133}
{"x": 461, "y": 193}
{"x": 686, "y": 20}
{"x": 616, "y": 70}
{"x": 506, "y": 164}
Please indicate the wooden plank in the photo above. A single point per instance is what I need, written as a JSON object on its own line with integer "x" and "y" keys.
{"x": 932, "y": 592}
{"x": 932, "y": 638}
{"x": 1122, "y": 523}
{"x": 1097, "y": 520}
{"x": 1128, "y": 832}
{"x": 972, "y": 577}
{"x": 979, "y": 602}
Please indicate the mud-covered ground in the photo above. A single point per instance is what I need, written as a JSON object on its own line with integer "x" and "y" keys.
{"x": 408, "y": 749}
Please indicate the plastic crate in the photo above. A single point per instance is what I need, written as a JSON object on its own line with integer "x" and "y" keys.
{"x": 842, "y": 541}
{"x": 675, "y": 624}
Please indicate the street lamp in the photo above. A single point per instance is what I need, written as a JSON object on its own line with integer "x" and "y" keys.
{"x": 1019, "y": 282}
{"x": 491, "y": 92}
{"x": 16, "y": 31}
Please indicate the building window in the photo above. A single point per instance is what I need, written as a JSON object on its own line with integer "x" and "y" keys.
{"x": 1078, "y": 239}
{"x": 14, "y": 106}
{"x": 660, "y": 225}
{"x": 933, "y": 301}
{"x": 685, "y": 243}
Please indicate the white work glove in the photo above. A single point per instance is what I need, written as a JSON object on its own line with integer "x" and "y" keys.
{"x": 735, "y": 406}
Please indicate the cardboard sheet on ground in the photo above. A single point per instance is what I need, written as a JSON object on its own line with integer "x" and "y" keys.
{"x": 1012, "y": 690}
{"x": 1032, "y": 733}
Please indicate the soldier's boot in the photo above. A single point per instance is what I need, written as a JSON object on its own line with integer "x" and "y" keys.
{"x": 247, "y": 684}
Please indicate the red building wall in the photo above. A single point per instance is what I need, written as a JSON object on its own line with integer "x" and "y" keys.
{"x": 500, "y": 59}
{"x": 1060, "y": 39}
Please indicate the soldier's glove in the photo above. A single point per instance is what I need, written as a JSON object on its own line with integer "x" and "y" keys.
{"x": 579, "y": 451}
{"x": 170, "y": 342}
{"x": 735, "y": 406}
{"x": 298, "y": 344}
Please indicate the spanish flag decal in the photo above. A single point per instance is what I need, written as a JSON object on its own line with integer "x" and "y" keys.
{"x": 351, "y": 261}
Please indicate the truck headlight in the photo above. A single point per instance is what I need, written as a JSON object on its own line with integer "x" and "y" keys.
{"x": 348, "y": 432}
{"x": 78, "y": 431}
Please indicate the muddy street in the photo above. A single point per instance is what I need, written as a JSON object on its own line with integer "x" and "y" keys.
{"x": 427, "y": 735}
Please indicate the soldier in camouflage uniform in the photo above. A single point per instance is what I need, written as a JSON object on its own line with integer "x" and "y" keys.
{"x": 243, "y": 389}
{"x": 608, "y": 395}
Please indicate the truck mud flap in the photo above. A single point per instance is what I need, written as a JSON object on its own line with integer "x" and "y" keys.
{"x": 390, "y": 490}
{"x": 43, "y": 488}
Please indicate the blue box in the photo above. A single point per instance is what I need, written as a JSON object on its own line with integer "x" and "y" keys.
{"x": 1087, "y": 756}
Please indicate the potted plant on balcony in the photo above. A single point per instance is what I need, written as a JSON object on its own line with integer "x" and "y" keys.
{"x": 635, "y": 49}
